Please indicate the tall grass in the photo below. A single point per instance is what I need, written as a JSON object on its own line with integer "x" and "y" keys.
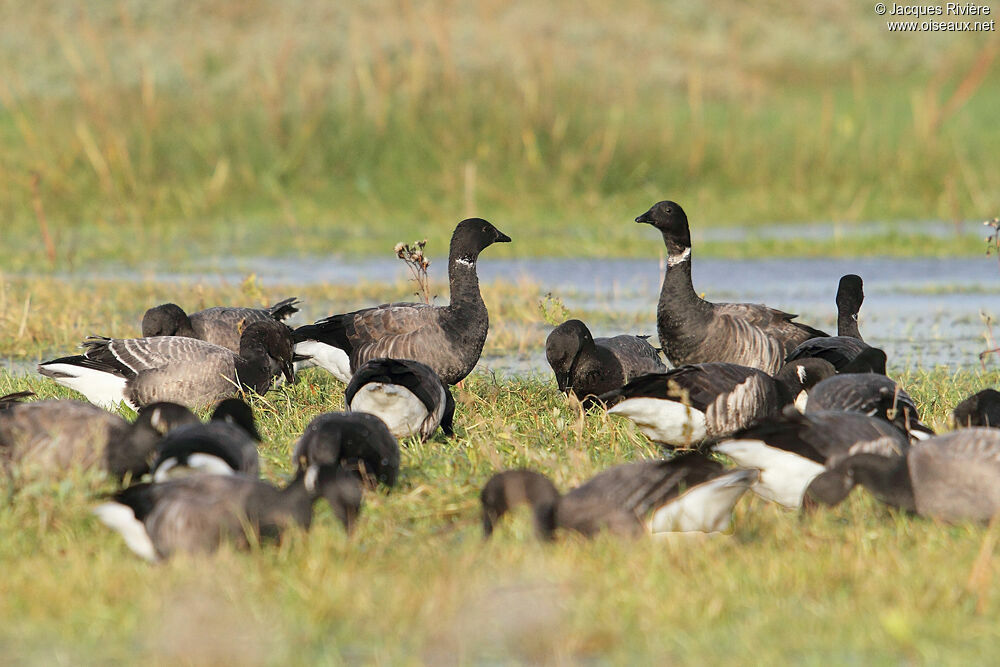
{"x": 249, "y": 125}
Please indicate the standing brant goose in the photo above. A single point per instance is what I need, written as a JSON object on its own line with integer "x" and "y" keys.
{"x": 55, "y": 435}
{"x": 225, "y": 445}
{"x": 694, "y": 331}
{"x": 221, "y": 325}
{"x": 449, "y": 338}
{"x": 790, "y": 450}
{"x": 952, "y": 477}
{"x": 688, "y": 493}
{"x": 188, "y": 371}
{"x": 839, "y": 350}
{"x": 195, "y": 514}
{"x": 686, "y": 405}
{"x": 407, "y": 395}
{"x": 589, "y": 366}
{"x": 980, "y": 409}
{"x": 350, "y": 440}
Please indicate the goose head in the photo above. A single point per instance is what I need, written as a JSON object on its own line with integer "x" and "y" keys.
{"x": 563, "y": 346}
{"x": 275, "y": 340}
{"x": 472, "y": 236}
{"x": 168, "y": 319}
{"x": 670, "y": 219}
{"x": 507, "y": 489}
{"x": 850, "y": 295}
{"x": 339, "y": 488}
{"x": 235, "y": 411}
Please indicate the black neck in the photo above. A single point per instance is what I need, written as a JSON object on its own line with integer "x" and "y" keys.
{"x": 679, "y": 306}
{"x": 463, "y": 281}
{"x": 888, "y": 479}
{"x": 847, "y": 324}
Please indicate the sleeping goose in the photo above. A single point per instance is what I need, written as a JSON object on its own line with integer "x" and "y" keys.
{"x": 872, "y": 394}
{"x": 790, "y": 450}
{"x": 407, "y": 395}
{"x": 220, "y": 325}
{"x": 841, "y": 349}
{"x": 195, "y": 514}
{"x": 348, "y": 440}
{"x": 686, "y": 405}
{"x": 952, "y": 477}
{"x": 590, "y": 366}
{"x": 57, "y": 434}
{"x": 688, "y": 493}
{"x": 225, "y": 445}
{"x": 449, "y": 338}
{"x": 694, "y": 331}
{"x": 188, "y": 371}
{"x": 980, "y": 409}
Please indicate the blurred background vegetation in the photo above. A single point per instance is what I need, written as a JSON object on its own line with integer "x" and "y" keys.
{"x": 245, "y": 126}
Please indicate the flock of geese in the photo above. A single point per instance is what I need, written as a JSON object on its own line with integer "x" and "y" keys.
{"x": 805, "y": 416}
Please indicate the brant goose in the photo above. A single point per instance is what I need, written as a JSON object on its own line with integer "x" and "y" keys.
{"x": 872, "y": 394}
{"x": 220, "y": 325}
{"x": 790, "y": 450}
{"x": 407, "y": 395}
{"x": 686, "y": 405}
{"x": 195, "y": 514}
{"x": 952, "y": 477}
{"x": 693, "y": 330}
{"x": 685, "y": 494}
{"x": 355, "y": 441}
{"x": 449, "y": 338}
{"x": 839, "y": 350}
{"x": 188, "y": 371}
{"x": 55, "y": 435}
{"x": 225, "y": 445}
{"x": 589, "y": 366}
{"x": 980, "y": 409}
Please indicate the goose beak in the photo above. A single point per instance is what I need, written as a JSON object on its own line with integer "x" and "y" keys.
{"x": 288, "y": 370}
{"x": 502, "y": 238}
{"x": 646, "y": 217}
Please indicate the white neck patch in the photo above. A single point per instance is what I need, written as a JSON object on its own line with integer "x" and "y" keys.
{"x": 471, "y": 263}
{"x": 674, "y": 260}
{"x": 801, "y": 372}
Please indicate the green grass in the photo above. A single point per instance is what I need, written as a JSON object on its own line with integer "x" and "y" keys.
{"x": 416, "y": 582}
{"x": 286, "y": 127}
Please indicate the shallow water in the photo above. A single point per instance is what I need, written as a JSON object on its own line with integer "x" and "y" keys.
{"x": 922, "y": 311}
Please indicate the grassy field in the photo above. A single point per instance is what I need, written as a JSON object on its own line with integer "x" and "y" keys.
{"x": 291, "y": 128}
{"x": 416, "y": 582}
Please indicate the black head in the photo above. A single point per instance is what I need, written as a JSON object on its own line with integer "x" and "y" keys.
{"x": 850, "y": 294}
{"x": 472, "y": 236}
{"x": 803, "y": 374}
{"x": 886, "y": 477}
{"x": 563, "y": 346}
{"x": 980, "y": 409}
{"x": 275, "y": 339}
{"x": 871, "y": 360}
{"x": 507, "y": 489}
{"x": 828, "y": 488}
{"x": 670, "y": 219}
{"x": 339, "y": 488}
{"x": 236, "y": 411}
{"x": 164, "y": 417}
{"x": 166, "y": 320}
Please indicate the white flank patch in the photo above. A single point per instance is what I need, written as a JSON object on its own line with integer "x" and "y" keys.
{"x": 801, "y": 401}
{"x": 784, "y": 476}
{"x": 707, "y": 508}
{"x": 919, "y": 435}
{"x": 333, "y": 359}
{"x": 197, "y": 464}
{"x": 397, "y": 406}
{"x": 664, "y": 421}
{"x": 121, "y": 518}
{"x": 104, "y": 389}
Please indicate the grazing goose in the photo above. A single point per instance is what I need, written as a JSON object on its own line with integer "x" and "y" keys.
{"x": 407, "y": 395}
{"x": 686, "y": 405}
{"x": 188, "y": 371}
{"x": 449, "y": 338}
{"x": 872, "y": 394}
{"x": 590, "y": 366}
{"x": 195, "y": 514}
{"x": 980, "y": 409}
{"x": 839, "y": 350}
{"x": 694, "y": 331}
{"x": 685, "y": 494}
{"x": 55, "y": 435}
{"x": 349, "y": 439}
{"x": 225, "y": 445}
{"x": 220, "y": 325}
{"x": 792, "y": 449}
{"x": 952, "y": 477}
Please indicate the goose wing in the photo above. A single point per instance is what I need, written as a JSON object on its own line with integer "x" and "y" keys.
{"x": 838, "y": 350}
{"x": 755, "y": 335}
{"x": 634, "y": 353}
